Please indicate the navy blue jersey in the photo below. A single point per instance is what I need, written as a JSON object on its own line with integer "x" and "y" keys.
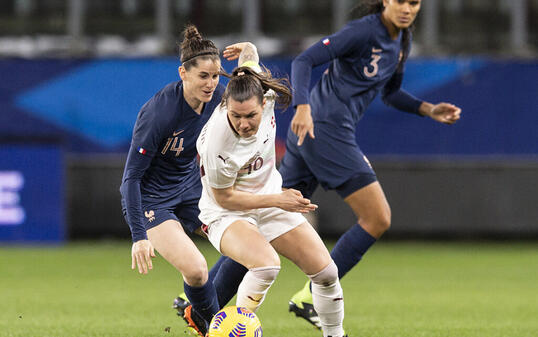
{"x": 364, "y": 62}
{"x": 161, "y": 163}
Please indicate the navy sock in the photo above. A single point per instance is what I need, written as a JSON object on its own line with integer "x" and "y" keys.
{"x": 203, "y": 299}
{"x": 227, "y": 275}
{"x": 350, "y": 248}
{"x": 216, "y": 267}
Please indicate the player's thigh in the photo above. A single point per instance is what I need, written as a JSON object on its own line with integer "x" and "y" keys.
{"x": 171, "y": 241}
{"x": 303, "y": 246}
{"x": 188, "y": 211}
{"x": 370, "y": 205}
{"x": 242, "y": 242}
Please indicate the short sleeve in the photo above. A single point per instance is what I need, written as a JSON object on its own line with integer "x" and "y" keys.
{"x": 220, "y": 169}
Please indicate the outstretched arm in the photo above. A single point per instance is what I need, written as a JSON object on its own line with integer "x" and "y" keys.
{"x": 395, "y": 96}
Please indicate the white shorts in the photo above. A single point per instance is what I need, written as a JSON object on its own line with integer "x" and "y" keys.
{"x": 271, "y": 222}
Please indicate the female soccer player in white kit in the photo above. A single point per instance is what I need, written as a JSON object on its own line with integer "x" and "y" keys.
{"x": 249, "y": 218}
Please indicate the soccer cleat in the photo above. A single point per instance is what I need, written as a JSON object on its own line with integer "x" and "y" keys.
{"x": 180, "y": 304}
{"x": 195, "y": 323}
{"x": 301, "y": 304}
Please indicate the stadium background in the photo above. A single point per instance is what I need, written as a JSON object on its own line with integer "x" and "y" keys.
{"x": 74, "y": 74}
{"x": 460, "y": 260}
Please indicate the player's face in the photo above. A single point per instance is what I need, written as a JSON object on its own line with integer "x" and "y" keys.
{"x": 401, "y": 13}
{"x": 200, "y": 81}
{"x": 245, "y": 117}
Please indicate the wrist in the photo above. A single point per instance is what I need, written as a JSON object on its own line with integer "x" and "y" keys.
{"x": 273, "y": 200}
{"x": 426, "y": 109}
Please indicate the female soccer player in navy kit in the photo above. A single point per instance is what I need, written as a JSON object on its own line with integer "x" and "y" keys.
{"x": 366, "y": 57}
{"x": 161, "y": 182}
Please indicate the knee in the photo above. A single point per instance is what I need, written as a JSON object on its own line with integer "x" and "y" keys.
{"x": 377, "y": 224}
{"x": 196, "y": 275}
{"x": 269, "y": 259}
{"x": 384, "y": 220}
{"x": 267, "y": 274}
{"x": 326, "y": 276}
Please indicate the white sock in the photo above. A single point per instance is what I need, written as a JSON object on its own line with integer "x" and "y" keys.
{"x": 328, "y": 299}
{"x": 255, "y": 284}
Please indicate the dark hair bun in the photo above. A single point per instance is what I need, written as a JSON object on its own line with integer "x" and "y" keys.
{"x": 195, "y": 45}
{"x": 191, "y": 33}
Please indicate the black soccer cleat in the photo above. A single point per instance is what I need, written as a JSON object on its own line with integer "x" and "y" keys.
{"x": 302, "y": 305}
{"x": 307, "y": 312}
{"x": 195, "y": 322}
{"x": 180, "y": 304}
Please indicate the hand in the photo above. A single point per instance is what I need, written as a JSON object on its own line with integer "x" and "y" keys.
{"x": 302, "y": 123}
{"x": 233, "y": 51}
{"x": 292, "y": 201}
{"x": 141, "y": 254}
{"x": 445, "y": 113}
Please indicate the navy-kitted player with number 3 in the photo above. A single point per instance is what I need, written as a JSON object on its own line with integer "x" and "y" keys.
{"x": 161, "y": 182}
{"x": 366, "y": 57}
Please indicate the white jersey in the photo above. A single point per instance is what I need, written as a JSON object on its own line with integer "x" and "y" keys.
{"x": 226, "y": 159}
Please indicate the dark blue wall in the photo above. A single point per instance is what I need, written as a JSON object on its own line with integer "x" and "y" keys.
{"x": 91, "y": 105}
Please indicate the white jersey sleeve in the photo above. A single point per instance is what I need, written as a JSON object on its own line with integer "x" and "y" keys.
{"x": 214, "y": 145}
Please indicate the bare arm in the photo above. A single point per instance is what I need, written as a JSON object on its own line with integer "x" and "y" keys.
{"x": 243, "y": 52}
{"x": 290, "y": 200}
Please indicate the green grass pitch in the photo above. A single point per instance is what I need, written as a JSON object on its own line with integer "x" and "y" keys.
{"x": 400, "y": 289}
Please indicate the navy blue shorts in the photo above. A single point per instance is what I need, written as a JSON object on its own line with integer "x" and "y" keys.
{"x": 332, "y": 159}
{"x": 183, "y": 208}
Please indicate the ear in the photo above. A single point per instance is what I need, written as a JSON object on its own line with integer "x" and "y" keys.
{"x": 264, "y": 101}
{"x": 182, "y": 72}
{"x": 385, "y": 3}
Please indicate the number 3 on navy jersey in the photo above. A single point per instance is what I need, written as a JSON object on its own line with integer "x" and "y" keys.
{"x": 375, "y": 58}
{"x": 175, "y": 147}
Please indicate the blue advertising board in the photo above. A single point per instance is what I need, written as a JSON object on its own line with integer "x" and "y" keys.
{"x": 92, "y": 104}
{"x": 31, "y": 194}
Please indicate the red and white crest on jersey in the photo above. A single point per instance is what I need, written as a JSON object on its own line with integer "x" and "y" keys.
{"x": 326, "y": 42}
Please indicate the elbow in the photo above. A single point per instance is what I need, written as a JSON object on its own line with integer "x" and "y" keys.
{"x": 226, "y": 200}
{"x": 123, "y": 188}
{"x": 251, "y": 46}
{"x": 386, "y": 98}
{"x": 301, "y": 61}
{"x": 128, "y": 184}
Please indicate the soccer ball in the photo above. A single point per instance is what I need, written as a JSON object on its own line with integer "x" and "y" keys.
{"x": 235, "y": 322}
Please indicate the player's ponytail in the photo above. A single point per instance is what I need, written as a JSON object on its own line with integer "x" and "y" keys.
{"x": 367, "y": 7}
{"x": 194, "y": 46}
{"x": 406, "y": 46}
{"x": 246, "y": 83}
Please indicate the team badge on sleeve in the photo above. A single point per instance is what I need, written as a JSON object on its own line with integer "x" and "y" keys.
{"x": 326, "y": 42}
{"x": 142, "y": 150}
